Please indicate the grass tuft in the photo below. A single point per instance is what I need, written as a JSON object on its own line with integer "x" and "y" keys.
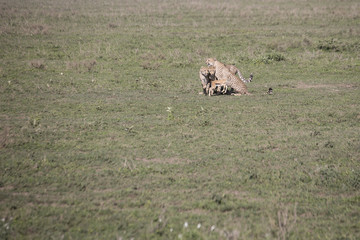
{"x": 38, "y": 64}
{"x": 80, "y": 66}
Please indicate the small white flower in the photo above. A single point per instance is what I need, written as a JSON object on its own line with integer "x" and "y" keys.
{"x": 186, "y": 224}
{"x": 171, "y": 230}
{"x": 3, "y": 219}
{"x": 199, "y": 226}
{"x": 9, "y": 82}
{"x": 212, "y": 228}
{"x": 61, "y": 73}
{"x": 168, "y": 109}
{"x": 180, "y": 236}
{"x": 160, "y": 220}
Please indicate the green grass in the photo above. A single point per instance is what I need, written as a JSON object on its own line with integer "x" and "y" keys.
{"x": 103, "y": 134}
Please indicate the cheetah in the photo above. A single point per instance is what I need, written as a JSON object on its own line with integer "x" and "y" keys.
{"x": 221, "y": 72}
{"x": 234, "y": 70}
{"x": 207, "y": 74}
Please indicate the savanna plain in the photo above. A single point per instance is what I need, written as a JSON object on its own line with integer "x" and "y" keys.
{"x": 104, "y": 135}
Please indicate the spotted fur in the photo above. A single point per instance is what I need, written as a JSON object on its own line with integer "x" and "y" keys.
{"x": 207, "y": 74}
{"x": 222, "y": 72}
{"x": 234, "y": 70}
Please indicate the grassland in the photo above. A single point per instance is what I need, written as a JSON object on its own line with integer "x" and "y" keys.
{"x": 103, "y": 134}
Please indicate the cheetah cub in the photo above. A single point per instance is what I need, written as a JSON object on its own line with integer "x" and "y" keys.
{"x": 207, "y": 74}
{"x": 234, "y": 70}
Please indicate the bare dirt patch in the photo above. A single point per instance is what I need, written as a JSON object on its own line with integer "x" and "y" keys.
{"x": 326, "y": 86}
{"x": 6, "y": 188}
{"x": 196, "y": 211}
{"x": 165, "y": 160}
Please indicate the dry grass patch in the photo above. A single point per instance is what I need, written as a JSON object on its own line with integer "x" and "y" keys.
{"x": 152, "y": 61}
{"x": 150, "y": 65}
{"x": 6, "y": 137}
{"x": 38, "y": 63}
{"x": 166, "y": 160}
{"x": 37, "y": 29}
{"x": 80, "y": 66}
{"x": 113, "y": 25}
{"x": 327, "y": 86}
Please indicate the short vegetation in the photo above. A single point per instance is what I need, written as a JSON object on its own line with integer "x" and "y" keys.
{"x": 103, "y": 133}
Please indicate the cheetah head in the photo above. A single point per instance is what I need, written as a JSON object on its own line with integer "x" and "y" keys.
{"x": 210, "y": 61}
{"x": 211, "y": 71}
{"x": 204, "y": 71}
